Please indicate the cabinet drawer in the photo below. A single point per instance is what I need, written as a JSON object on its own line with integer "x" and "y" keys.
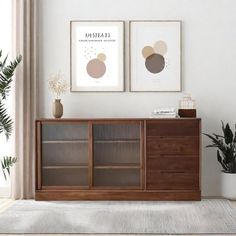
{"x": 170, "y": 146}
{"x": 177, "y": 127}
{"x": 171, "y": 180}
{"x": 177, "y": 163}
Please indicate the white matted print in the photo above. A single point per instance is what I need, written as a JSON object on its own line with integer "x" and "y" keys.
{"x": 97, "y": 51}
{"x": 155, "y": 56}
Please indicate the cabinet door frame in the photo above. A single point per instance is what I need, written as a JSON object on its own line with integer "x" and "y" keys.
{"x": 140, "y": 122}
{"x": 38, "y": 155}
{"x": 38, "y": 158}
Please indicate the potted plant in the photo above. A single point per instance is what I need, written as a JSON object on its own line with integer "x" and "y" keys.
{"x": 6, "y": 123}
{"x": 226, "y": 156}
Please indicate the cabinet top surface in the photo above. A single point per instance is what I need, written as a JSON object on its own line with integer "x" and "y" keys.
{"x": 112, "y": 119}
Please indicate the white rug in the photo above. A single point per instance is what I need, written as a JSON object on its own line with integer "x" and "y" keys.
{"x": 205, "y": 217}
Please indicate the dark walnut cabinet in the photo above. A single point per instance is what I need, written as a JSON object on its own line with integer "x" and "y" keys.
{"x": 118, "y": 159}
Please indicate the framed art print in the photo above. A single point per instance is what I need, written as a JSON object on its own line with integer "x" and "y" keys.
{"x": 155, "y": 56}
{"x": 97, "y": 55}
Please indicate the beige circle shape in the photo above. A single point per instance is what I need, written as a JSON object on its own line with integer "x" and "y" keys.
{"x": 101, "y": 57}
{"x": 160, "y": 47}
{"x": 96, "y": 68}
{"x": 147, "y": 51}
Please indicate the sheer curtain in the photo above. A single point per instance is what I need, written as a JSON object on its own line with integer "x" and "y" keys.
{"x": 25, "y": 43}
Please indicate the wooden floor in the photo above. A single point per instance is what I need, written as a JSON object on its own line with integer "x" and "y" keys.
{"x": 5, "y": 203}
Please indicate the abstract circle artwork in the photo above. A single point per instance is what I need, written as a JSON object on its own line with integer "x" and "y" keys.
{"x": 154, "y": 57}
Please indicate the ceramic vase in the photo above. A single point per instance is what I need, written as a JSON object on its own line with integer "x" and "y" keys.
{"x": 57, "y": 108}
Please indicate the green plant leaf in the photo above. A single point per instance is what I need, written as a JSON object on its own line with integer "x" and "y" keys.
{"x": 6, "y": 73}
{"x": 211, "y": 137}
{"x": 226, "y": 153}
{"x": 223, "y": 127}
{"x": 211, "y": 145}
{"x": 228, "y": 134}
{"x": 234, "y": 134}
{"x": 217, "y": 142}
{"x": 7, "y": 163}
{"x": 2, "y": 64}
{"x": 219, "y": 158}
{"x": 218, "y": 135}
{"x": 6, "y": 122}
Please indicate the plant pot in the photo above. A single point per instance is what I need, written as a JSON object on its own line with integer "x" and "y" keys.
{"x": 57, "y": 108}
{"x": 228, "y": 185}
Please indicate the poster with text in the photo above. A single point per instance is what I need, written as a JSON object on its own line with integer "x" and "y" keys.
{"x": 155, "y": 56}
{"x": 97, "y": 51}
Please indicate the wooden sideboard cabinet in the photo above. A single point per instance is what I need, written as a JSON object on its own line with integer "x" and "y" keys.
{"x": 118, "y": 159}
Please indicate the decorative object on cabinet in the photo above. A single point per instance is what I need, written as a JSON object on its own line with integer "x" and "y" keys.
{"x": 164, "y": 113}
{"x": 187, "y": 112}
{"x": 97, "y": 55}
{"x": 118, "y": 159}
{"x": 155, "y": 55}
{"x": 58, "y": 86}
{"x": 187, "y": 102}
{"x": 57, "y": 108}
{"x": 226, "y": 156}
{"x": 187, "y": 107}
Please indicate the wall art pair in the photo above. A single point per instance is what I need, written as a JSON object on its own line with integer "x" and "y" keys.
{"x": 97, "y": 55}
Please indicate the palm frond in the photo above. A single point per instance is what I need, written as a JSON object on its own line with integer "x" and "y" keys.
{"x": 6, "y": 73}
{"x": 2, "y": 64}
{"x": 6, "y": 123}
{"x": 7, "y": 163}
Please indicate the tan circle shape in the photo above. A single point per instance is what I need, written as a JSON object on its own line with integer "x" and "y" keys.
{"x": 160, "y": 47}
{"x": 147, "y": 51}
{"x": 101, "y": 57}
{"x": 96, "y": 68}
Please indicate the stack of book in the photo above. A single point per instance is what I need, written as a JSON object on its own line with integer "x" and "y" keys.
{"x": 164, "y": 113}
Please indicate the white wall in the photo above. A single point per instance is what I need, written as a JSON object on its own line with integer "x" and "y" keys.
{"x": 209, "y": 63}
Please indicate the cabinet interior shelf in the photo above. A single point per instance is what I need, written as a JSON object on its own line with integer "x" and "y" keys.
{"x": 118, "y": 141}
{"x": 69, "y": 166}
{"x": 95, "y": 141}
{"x": 118, "y": 166}
{"x": 66, "y": 141}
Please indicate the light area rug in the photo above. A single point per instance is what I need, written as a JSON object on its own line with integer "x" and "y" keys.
{"x": 209, "y": 216}
{"x": 5, "y": 203}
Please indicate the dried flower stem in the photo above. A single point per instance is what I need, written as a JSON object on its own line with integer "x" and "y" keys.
{"x": 58, "y": 85}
